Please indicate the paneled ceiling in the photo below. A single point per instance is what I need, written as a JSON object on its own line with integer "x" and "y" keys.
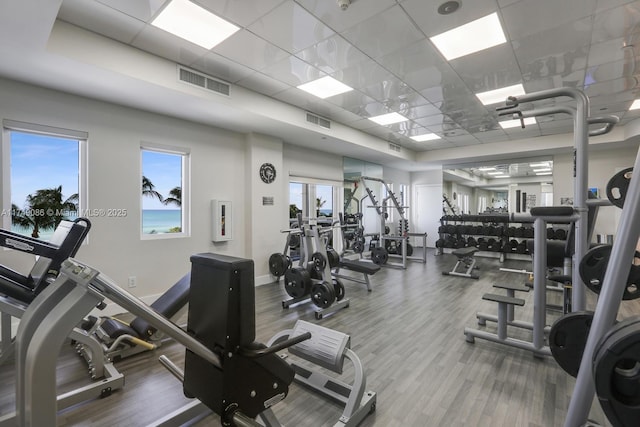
{"x": 382, "y": 49}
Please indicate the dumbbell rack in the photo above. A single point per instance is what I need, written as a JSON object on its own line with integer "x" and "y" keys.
{"x": 494, "y": 235}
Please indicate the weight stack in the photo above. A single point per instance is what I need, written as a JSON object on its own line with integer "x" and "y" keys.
{"x": 222, "y": 317}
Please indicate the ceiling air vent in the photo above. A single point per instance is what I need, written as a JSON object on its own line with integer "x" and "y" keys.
{"x": 394, "y": 147}
{"x": 316, "y": 120}
{"x": 201, "y": 80}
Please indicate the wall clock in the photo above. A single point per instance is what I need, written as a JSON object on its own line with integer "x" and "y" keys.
{"x": 267, "y": 173}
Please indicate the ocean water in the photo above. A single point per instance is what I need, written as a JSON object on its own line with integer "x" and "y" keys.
{"x": 154, "y": 221}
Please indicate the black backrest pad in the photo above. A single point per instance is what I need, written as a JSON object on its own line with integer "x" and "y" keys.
{"x": 168, "y": 304}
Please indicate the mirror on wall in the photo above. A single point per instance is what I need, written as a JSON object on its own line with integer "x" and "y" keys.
{"x": 499, "y": 187}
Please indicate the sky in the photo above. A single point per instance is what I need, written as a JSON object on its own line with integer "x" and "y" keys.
{"x": 41, "y": 161}
{"x": 324, "y": 192}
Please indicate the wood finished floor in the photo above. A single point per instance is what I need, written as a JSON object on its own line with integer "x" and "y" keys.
{"x": 408, "y": 333}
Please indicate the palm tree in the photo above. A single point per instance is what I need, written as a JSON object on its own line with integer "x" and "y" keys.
{"x": 44, "y": 210}
{"x": 149, "y": 190}
{"x": 175, "y": 197}
{"x": 319, "y": 203}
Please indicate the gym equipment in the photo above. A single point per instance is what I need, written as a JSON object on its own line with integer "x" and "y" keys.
{"x": 241, "y": 380}
{"x": 395, "y": 246}
{"x": 618, "y": 186}
{"x": 567, "y": 339}
{"x": 616, "y": 372}
{"x": 120, "y": 340}
{"x": 311, "y": 280}
{"x": 18, "y": 293}
{"x": 466, "y": 259}
{"x": 594, "y": 265}
{"x": 279, "y": 264}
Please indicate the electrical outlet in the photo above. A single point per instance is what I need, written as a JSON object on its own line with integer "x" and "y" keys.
{"x": 132, "y": 281}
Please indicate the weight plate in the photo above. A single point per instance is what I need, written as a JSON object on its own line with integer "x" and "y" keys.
{"x": 379, "y": 255}
{"x": 294, "y": 240}
{"x": 358, "y": 247}
{"x": 338, "y": 289}
{"x": 617, "y": 187}
{"x": 616, "y": 373}
{"x": 410, "y": 248}
{"x": 319, "y": 261}
{"x": 593, "y": 266}
{"x": 278, "y": 264}
{"x": 322, "y": 294}
{"x": 333, "y": 257}
{"x": 297, "y": 282}
{"x": 567, "y": 339}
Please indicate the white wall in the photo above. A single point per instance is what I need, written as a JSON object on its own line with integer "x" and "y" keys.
{"x": 426, "y": 214}
{"x": 218, "y": 171}
{"x": 602, "y": 166}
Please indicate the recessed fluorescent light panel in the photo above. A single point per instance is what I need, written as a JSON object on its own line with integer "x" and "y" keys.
{"x": 542, "y": 170}
{"x": 325, "y": 87}
{"x": 487, "y": 168}
{"x": 501, "y": 176}
{"x": 388, "y": 119}
{"x": 425, "y": 137}
{"x": 635, "y": 105}
{"x": 500, "y": 95}
{"x": 543, "y": 173}
{"x": 539, "y": 165}
{"x": 191, "y": 22}
{"x": 495, "y": 173}
{"x": 507, "y": 124}
{"x": 472, "y": 37}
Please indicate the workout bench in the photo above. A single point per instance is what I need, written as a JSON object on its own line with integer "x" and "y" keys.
{"x": 466, "y": 257}
{"x": 365, "y": 268}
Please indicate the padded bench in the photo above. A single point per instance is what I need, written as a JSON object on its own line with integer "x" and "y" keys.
{"x": 504, "y": 302}
{"x": 366, "y": 268}
{"x": 466, "y": 259}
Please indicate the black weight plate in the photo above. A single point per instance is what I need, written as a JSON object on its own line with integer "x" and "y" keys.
{"x": 560, "y": 234}
{"x": 440, "y": 243}
{"x": 379, "y": 255}
{"x": 358, "y": 247}
{"x": 338, "y": 289}
{"x": 319, "y": 261}
{"x": 278, "y": 264}
{"x": 593, "y": 266}
{"x": 409, "y": 248}
{"x": 297, "y": 282}
{"x": 616, "y": 373}
{"x": 617, "y": 187}
{"x": 567, "y": 339}
{"x": 322, "y": 294}
{"x": 551, "y": 233}
{"x": 294, "y": 240}
{"x": 333, "y": 257}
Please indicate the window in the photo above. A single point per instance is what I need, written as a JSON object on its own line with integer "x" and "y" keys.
{"x": 43, "y": 175}
{"x": 296, "y": 199}
{"x": 324, "y": 201}
{"x": 164, "y": 192}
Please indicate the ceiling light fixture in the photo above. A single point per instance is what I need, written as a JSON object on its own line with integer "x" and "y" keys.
{"x": 495, "y": 173}
{"x": 487, "y": 168}
{"x": 544, "y": 173}
{"x": 471, "y": 37}
{"x": 425, "y": 137}
{"x": 542, "y": 170}
{"x": 500, "y": 95}
{"x": 193, "y": 23}
{"x": 539, "y": 165}
{"x": 635, "y": 105}
{"x": 325, "y": 87}
{"x": 388, "y": 119}
{"x": 508, "y": 124}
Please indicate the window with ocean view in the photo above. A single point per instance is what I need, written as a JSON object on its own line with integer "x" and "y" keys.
{"x": 42, "y": 176}
{"x": 163, "y": 190}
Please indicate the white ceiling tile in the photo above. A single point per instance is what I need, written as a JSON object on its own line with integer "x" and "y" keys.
{"x": 332, "y": 54}
{"x": 384, "y": 33}
{"x": 425, "y": 14}
{"x": 529, "y": 17}
{"x": 417, "y": 60}
{"x": 291, "y": 27}
{"x": 610, "y": 71}
{"x": 292, "y": 71}
{"x": 608, "y": 4}
{"x": 243, "y": 12}
{"x": 489, "y": 69}
{"x": 142, "y": 10}
{"x": 612, "y": 86}
{"x": 339, "y": 20}
{"x": 303, "y": 100}
{"x": 250, "y": 50}
{"x": 101, "y": 19}
{"x": 617, "y": 22}
{"x": 353, "y": 101}
{"x": 612, "y": 51}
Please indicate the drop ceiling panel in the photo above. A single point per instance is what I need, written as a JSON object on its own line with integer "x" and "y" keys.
{"x": 142, "y": 10}
{"x": 292, "y": 71}
{"x": 426, "y": 16}
{"x": 332, "y": 55}
{"x": 161, "y": 43}
{"x": 291, "y": 27}
{"x": 250, "y": 50}
{"x": 616, "y": 22}
{"x": 383, "y": 33}
{"x": 242, "y": 13}
{"x": 489, "y": 69}
{"x": 340, "y": 20}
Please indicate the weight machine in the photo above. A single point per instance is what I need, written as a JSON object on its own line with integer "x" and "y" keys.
{"x": 239, "y": 381}
{"x": 387, "y": 243}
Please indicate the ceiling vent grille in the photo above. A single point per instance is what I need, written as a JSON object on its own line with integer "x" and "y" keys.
{"x": 203, "y": 81}
{"x": 395, "y": 147}
{"x": 317, "y": 120}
